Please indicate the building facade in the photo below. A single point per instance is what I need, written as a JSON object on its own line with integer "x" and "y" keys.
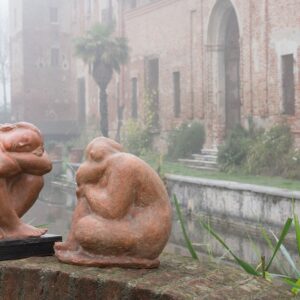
{"x": 222, "y": 62}
{"x": 42, "y": 82}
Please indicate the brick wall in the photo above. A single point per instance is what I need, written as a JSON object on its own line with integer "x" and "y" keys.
{"x": 42, "y": 93}
{"x": 179, "y": 33}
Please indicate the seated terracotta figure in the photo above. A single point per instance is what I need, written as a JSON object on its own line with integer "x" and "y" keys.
{"x": 123, "y": 214}
{"x": 23, "y": 162}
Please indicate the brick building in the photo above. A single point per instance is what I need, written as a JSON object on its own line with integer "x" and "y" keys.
{"x": 218, "y": 61}
{"x": 43, "y": 90}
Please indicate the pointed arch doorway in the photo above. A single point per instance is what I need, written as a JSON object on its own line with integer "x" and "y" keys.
{"x": 223, "y": 47}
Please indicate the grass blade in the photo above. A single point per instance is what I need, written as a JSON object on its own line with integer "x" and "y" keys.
{"x": 281, "y": 239}
{"x": 295, "y": 285}
{"x": 287, "y": 256}
{"x": 272, "y": 248}
{"x": 266, "y": 237}
{"x": 185, "y": 235}
{"x": 254, "y": 246}
{"x": 247, "y": 267}
{"x": 297, "y": 229}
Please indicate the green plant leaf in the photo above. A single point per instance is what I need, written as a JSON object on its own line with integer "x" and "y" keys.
{"x": 296, "y": 290}
{"x": 254, "y": 246}
{"x": 297, "y": 229}
{"x": 266, "y": 237}
{"x": 272, "y": 247}
{"x": 287, "y": 256}
{"x": 186, "y": 237}
{"x": 280, "y": 241}
{"x": 294, "y": 284}
{"x": 247, "y": 267}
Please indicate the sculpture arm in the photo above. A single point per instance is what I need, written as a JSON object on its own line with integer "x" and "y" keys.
{"x": 113, "y": 200}
{"x": 8, "y": 165}
{"x": 31, "y": 163}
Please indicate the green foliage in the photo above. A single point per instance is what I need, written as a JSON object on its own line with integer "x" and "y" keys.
{"x": 263, "y": 268}
{"x": 283, "y": 234}
{"x": 247, "y": 267}
{"x": 185, "y": 235}
{"x": 99, "y": 44}
{"x": 151, "y": 116}
{"x": 292, "y": 164}
{"x": 135, "y": 137}
{"x": 252, "y": 151}
{"x": 103, "y": 52}
{"x": 233, "y": 153}
{"x": 185, "y": 140}
{"x": 268, "y": 153}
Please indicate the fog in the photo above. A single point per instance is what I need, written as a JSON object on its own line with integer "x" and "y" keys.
{"x": 206, "y": 88}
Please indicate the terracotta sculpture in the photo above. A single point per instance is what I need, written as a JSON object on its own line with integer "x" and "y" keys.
{"x": 123, "y": 214}
{"x": 23, "y": 162}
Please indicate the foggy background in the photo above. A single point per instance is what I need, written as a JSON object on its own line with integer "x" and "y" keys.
{"x": 206, "y": 89}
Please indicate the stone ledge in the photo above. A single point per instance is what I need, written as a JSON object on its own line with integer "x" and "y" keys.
{"x": 233, "y": 185}
{"x": 44, "y": 278}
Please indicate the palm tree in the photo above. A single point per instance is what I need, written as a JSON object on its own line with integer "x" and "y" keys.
{"x": 104, "y": 53}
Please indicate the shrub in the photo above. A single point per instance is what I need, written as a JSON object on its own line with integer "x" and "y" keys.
{"x": 268, "y": 155}
{"x": 135, "y": 137}
{"x": 233, "y": 153}
{"x": 185, "y": 140}
{"x": 292, "y": 167}
{"x": 260, "y": 153}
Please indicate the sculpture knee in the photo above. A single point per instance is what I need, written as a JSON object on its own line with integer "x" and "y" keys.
{"x": 100, "y": 237}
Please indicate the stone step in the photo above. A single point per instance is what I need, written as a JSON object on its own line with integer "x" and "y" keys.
{"x": 194, "y": 162}
{"x": 204, "y": 168}
{"x": 209, "y": 152}
{"x": 205, "y": 157}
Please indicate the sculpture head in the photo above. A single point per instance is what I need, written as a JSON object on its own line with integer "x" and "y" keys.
{"x": 100, "y": 148}
{"x": 21, "y": 137}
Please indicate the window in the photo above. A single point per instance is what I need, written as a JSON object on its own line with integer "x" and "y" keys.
{"x": 134, "y": 96}
{"x": 54, "y": 57}
{"x": 288, "y": 84}
{"x": 106, "y": 12}
{"x": 133, "y": 4}
{"x": 176, "y": 92}
{"x": 15, "y": 18}
{"x": 53, "y": 15}
{"x": 152, "y": 84}
{"x": 74, "y": 14}
{"x": 88, "y": 7}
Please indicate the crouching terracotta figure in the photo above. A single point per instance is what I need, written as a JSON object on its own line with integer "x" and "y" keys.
{"x": 123, "y": 214}
{"x": 23, "y": 162}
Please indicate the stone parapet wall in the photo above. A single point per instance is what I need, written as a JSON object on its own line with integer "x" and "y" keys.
{"x": 233, "y": 200}
{"x": 177, "y": 278}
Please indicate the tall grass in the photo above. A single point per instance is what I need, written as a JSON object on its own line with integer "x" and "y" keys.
{"x": 263, "y": 269}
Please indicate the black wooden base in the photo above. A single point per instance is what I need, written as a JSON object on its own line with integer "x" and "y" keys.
{"x": 15, "y": 249}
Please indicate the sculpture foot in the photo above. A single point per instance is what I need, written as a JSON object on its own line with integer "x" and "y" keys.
{"x": 82, "y": 258}
{"x": 65, "y": 246}
{"x": 21, "y": 231}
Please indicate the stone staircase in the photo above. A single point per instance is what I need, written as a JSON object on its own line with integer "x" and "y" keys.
{"x": 207, "y": 160}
